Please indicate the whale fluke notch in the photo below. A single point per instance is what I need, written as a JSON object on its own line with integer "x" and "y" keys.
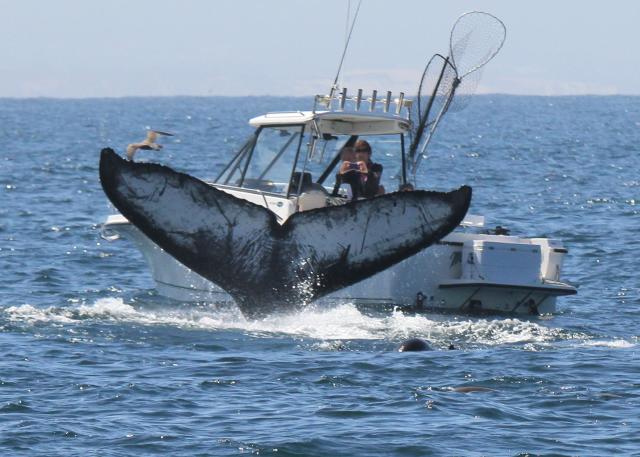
{"x": 264, "y": 265}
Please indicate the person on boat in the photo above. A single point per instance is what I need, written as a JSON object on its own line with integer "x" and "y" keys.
{"x": 350, "y": 172}
{"x": 370, "y": 180}
{"x": 350, "y": 163}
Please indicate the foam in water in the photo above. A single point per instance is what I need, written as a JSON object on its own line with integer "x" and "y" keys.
{"x": 343, "y": 322}
{"x": 613, "y": 344}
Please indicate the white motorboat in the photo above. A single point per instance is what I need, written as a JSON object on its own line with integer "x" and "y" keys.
{"x": 471, "y": 269}
{"x": 289, "y": 165}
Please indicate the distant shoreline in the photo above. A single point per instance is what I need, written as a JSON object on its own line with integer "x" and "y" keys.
{"x": 301, "y": 97}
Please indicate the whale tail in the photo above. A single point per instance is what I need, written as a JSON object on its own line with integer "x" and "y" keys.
{"x": 264, "y": 265}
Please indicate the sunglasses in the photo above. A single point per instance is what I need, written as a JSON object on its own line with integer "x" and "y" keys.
{"x": 362, "y": 150}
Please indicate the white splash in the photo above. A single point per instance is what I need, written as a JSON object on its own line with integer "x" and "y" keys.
{"x": 343, "y": 322}
{"x": 613, "y": 344}
{"x": 31, "y": 314}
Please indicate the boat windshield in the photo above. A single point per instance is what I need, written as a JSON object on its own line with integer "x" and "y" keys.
{"x": 268, "y": 165}
{"x": 288, "y": 159}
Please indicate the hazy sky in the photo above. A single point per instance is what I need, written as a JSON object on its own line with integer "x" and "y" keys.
{"x": 80, "y": 48}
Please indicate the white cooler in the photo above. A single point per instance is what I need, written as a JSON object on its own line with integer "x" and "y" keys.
{"x": 498, "y": 262}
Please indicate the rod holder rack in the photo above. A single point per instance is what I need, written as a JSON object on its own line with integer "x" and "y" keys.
{"x": 337, "y": 101}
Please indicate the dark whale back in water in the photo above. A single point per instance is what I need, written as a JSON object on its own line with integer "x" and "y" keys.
{"x": 263, "y": 265}
{"x": 414, "y": 345}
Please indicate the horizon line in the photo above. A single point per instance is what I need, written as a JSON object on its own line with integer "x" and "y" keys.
{"x": 97, "y": 97}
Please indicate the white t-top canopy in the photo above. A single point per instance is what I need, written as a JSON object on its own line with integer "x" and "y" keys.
{"x": 338, "y": 122}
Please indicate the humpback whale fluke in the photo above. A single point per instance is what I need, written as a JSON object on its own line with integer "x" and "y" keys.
{"x": 148, "y": 143}
{"x": 264, "y": 265}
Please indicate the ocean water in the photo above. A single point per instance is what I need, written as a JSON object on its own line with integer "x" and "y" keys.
{"x": 94, "y": 362}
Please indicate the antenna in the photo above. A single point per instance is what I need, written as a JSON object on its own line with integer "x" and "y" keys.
{"x": 334, "y": 86}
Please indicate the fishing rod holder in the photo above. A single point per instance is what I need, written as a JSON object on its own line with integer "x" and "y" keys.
{"x": 336, "y": 101}
{"x": 373, "y": 100}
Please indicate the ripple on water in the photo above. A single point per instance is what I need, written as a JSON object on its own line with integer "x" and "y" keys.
{"x": 15, "y": 407}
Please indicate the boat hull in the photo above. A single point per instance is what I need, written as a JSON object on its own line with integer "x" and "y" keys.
{"x": 436, "y": 278}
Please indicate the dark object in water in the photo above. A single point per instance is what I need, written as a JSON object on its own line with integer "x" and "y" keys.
{"x": 266, "y": 266}
{"x": 471, "y": 389}
{"x": 500, "y": 230}
{"x": 414, "y": 345}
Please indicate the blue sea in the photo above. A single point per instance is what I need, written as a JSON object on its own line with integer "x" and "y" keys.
{"x": 95, "y": 363}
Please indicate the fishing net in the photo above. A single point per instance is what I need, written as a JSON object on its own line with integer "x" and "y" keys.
{"x": 476, "y": 38}
{"x": 447, "y": 84}
{"x": 434, "y": 92}
{"x": 464, "y": 91}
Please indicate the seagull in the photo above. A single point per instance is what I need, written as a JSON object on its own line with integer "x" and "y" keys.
{"x": 148, "y": 143}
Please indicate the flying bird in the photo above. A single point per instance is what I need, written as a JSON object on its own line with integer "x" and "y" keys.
{"x": 148, "y": 143}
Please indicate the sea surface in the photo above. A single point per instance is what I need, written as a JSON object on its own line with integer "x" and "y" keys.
{"x": 94, "y": 363}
